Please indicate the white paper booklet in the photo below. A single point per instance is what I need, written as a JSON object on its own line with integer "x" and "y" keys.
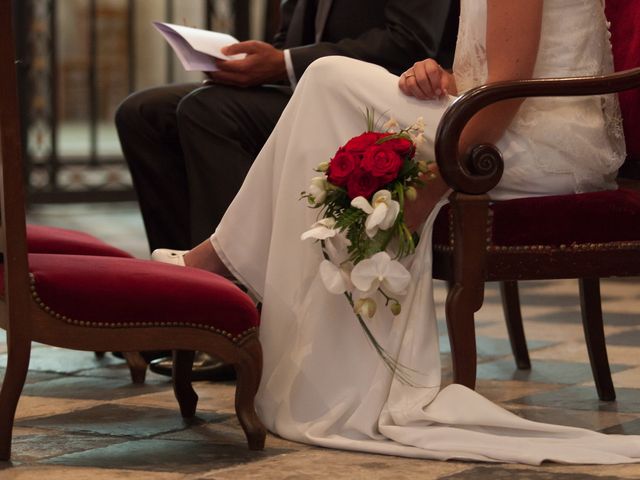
{"x": 197, "y": 49}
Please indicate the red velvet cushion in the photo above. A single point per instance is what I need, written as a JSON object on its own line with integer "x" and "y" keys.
{"x": 596, "y": 217}
{"x": 125, "y": 291}
{"x": 41, "y": 239}
{"x": 624, "y": 16}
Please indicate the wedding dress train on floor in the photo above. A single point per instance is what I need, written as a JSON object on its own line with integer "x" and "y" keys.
{"x": 323, "y": 383}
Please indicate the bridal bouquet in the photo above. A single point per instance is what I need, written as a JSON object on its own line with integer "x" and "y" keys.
{"x": 361, "y": 193}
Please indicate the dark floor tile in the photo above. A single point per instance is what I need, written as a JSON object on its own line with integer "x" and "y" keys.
{"x": 627, "y": 339}
{"x": 166, "y": 456}
{"x": 592, "y": 420}
{"x": 585, "y": 398}
{"x": 627, "y": 428}
{"x": 493, "y": 347}
{"x": 29, "y": 448}
{"x": 624, "y": 280}
{"x": 564, "y": 300}
{"x": 497, "y": 473}
{"x": 120, "y": 420}
{"x": 62, "y": 360}
{"x": 543, "y": 371}
{"x": 93, "y": 388}
{"x": 33, "y": 377}
{"x": 564, "y": 316}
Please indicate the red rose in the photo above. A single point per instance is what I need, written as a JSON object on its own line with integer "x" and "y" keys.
{"x": 382, "y": 162}
{"x": 360, "y": 143}
{"x": 341, "y": 166}
{"x": 361, "y": 183}
{"x": 401, "y": 146}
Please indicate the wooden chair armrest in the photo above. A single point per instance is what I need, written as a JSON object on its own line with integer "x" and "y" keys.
{"x": 479, "y": 170}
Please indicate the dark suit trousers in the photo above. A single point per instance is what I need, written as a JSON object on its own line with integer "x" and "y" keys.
{"x": 189, "y": 148}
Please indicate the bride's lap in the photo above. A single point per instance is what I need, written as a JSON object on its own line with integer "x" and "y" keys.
{"x": 350, "y": 86}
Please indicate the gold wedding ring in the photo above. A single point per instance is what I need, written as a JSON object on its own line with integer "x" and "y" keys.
{"x": 410, "y": 74}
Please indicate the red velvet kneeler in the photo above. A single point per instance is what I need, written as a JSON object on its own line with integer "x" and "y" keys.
{"x": 43, "y": 239}
{"x": 91, "y": 291}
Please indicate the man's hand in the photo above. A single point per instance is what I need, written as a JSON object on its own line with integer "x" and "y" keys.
{"x": 263, "y": 64}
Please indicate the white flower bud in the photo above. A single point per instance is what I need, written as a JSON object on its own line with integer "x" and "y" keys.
{"x": 417, "y": 139}
{"x": 365, "y": 307}
{"x": 411, "y": 193}
{"x": 423, "y": 166}
{"x": 419, "y": 125}
{"x": 391, "y": 126}
{"x": 395, "y": 308}
{"x": 322, "y": 167}
{"x": 318, "y": 189}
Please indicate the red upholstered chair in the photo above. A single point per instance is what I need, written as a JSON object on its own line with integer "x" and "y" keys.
{"x": 100, "y": 303}
{"x": 624, "y": 16}
{"x": 586, "y": 236}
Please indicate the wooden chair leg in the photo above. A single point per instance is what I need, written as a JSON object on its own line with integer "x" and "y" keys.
{"x": 513, "y": 318}
{"x": 137, "y": 366}
{"x": 14, "y": 378}
{"x": 467, "y": 294}
{"x": 594, "y": 335}
{"x": 462, "y": 338}
{"x": 186, "y": 396}
{"x": 248, "y": 372}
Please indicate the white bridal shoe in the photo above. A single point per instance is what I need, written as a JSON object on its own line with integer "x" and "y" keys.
{"x": 166, "y": 255}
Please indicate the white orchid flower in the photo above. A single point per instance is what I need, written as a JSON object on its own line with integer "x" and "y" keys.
{"x": 382, "y": 211}
{"x": 380, "y": 270}
{"x": 318, "y": 188}
{"x": 337, "y": 249}
{"x": 321, "y": 230}
{"x": 336, "y": 280}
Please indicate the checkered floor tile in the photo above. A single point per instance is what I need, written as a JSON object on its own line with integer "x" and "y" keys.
{"x": 81, "y": 417}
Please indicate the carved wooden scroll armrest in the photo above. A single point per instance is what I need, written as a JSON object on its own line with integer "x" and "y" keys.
{"x": 479, "y": 170}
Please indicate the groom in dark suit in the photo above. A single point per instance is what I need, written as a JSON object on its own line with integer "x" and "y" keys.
{"x": 190, "y": 146}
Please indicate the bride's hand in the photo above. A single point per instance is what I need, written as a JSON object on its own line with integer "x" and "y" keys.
{"x": 427, "y": 80}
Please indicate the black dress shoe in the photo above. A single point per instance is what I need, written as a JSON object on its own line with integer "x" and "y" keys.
{"x": 205, "y": 367}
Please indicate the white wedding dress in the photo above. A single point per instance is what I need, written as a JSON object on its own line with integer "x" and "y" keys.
{"x": 323, "y": 383}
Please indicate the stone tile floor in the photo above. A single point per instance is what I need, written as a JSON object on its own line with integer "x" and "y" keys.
{"x": 80, "y": 417}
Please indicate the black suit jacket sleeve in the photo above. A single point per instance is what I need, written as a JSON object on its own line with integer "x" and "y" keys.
{"x": 414, "y": 30}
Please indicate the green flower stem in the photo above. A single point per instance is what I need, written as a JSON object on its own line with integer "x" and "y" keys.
{"x": 400, "y": 371}
{"x": 387, "y": 297}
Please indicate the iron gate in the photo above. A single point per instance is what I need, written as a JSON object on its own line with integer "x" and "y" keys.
{"x": 77, "y": 60}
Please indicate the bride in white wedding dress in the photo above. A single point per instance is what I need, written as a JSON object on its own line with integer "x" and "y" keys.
{"x": 323, "y": 383}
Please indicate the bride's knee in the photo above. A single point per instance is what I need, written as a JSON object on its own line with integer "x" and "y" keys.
{"x": 333, "y": 64}
{"x": 330, "y": 72}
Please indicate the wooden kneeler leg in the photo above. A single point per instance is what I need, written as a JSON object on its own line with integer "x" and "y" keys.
{"x": 513, "y": 318}
{"x": 137, "y": 366}
{"x": 466, "y": 296}
{"x": 186, "y": 396}
{"x": 248, "y": 373}
{"x": 14, "y": 377}
{"x": 594, "y": 335}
